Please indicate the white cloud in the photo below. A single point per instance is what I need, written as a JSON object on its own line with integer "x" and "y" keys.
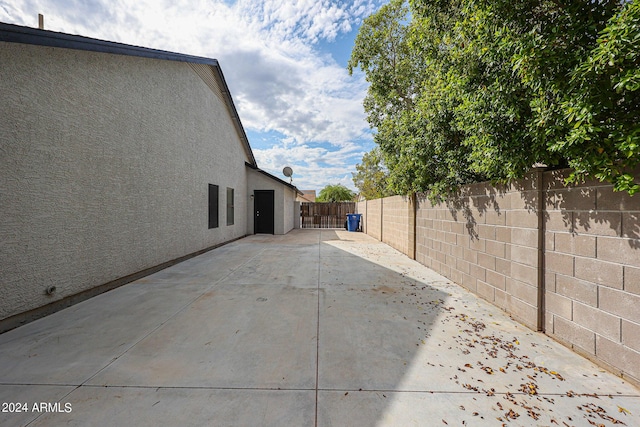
{"x": 314, "y": 167}
{"x": 268, "y": 51}
{"x": 309, "y": 20}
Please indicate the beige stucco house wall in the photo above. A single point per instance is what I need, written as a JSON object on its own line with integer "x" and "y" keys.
{"x": 105, "y": 165}
{"x": 284, "y": 198}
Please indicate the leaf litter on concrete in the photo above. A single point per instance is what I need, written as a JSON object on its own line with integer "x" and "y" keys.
{"x": 491, "y": 353}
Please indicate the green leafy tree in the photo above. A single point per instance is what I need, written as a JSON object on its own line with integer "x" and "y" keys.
{"x": 604, "y": 140}
{"x": 371, "y": 176}
{"x": 468, "y": 90}
{"x": 417, "y": 115}
{"x": 335, "y": 193}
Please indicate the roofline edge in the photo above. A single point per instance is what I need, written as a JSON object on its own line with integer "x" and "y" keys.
{"x": 12, "y": 33}
{"x": 275, "y": 178}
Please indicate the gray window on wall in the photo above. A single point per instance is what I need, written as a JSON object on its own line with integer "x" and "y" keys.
{"x": 213, "y": 206}
{"x": 229, "y": 206}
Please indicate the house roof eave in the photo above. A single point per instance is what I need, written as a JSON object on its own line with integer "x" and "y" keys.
{"x": 275, "y": 178}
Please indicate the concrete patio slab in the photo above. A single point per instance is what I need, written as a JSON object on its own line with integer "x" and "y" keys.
{"x": 235, "y": 336}
{"x": 270, "y": 267}
{"x": 70, "y": 346}
{"x": 314, "y": 328}
{"x": 209, "y": 267}
{"x": 365, "y": 329}
{"x": 352, "y": 269}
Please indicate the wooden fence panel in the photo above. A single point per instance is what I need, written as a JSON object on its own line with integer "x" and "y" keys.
{"x": 325, "y": 215}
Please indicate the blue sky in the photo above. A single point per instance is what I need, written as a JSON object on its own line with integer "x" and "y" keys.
{"x": 284, "y": 61}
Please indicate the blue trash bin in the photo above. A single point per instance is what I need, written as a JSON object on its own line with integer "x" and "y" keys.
{"x": 353, "y": 222}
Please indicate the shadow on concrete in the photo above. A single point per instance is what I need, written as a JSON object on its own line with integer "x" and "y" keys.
{"x": 583, "y": 207}
{"x": 372, "y": 318}
{"x": 359, "y": 335}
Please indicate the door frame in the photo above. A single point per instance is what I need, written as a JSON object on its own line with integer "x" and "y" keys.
{"x": 255, "y": 211}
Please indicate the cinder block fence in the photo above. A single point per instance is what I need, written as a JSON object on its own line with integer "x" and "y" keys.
{"x": 562, "y": 260}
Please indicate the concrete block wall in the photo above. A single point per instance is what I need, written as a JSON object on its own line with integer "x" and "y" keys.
{"x": 592, "y": 271}
{"x": 563, "y": 260}
{"x": 397, "y": 227}
{"x": 373, "y": 218}
{"x": 486, "y": 240}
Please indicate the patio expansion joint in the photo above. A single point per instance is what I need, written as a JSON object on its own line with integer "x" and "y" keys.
{"x": 318, "y": 328}
{"x": 601, "y": 394}
{"x": 293, "y": 389}
{"x": 164, "y": 387}
{"x": 474, "y": 393}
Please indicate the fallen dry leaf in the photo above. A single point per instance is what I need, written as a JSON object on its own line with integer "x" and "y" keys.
{"x": 511, "y": 414}
{"x": 529, "y": 388}
{"x": 623, "y": 410}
